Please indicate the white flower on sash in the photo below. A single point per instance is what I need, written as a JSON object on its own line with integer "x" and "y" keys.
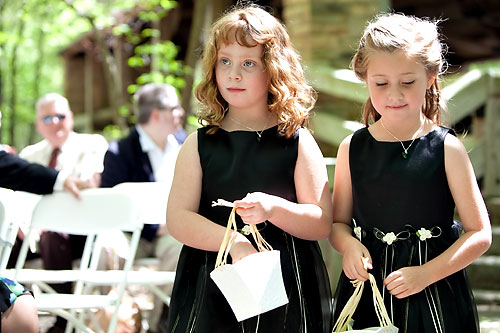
{"x": 423, "y": 234}
{"x": 246, "y": 230}
{"x": 389, "y": 238}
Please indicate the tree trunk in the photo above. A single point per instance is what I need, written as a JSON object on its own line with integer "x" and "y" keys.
{"x": 88, "y": 90}
{"x": 2, "y": 51}
{"x": 36, "y": 82}
{"x": 112, "y": 76}
{"x": 192, "y": 55}
{"x": 13, "y": 92}
{"x": 110, "y": 68}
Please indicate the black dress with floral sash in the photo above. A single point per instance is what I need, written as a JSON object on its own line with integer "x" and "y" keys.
{"x": 403, "y": 210}
{"x": 234, "y": 164}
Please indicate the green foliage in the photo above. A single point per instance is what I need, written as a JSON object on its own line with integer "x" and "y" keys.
{"x": 124, "y": 111}
{"x": 48, "y": 28}
{"x": 193, "y": 121}
{"x": 121, "y": 29}
{"x": 150, "y": 5}
{"x": 113, "y": 133}
{"x": 3, "y": 37}
{"x": 159, "y": 55}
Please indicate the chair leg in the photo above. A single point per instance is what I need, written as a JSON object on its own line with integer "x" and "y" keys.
{"x": 78, "y": 324}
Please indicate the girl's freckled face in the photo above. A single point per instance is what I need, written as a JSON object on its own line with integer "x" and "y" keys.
{"x": 241, "y": 76}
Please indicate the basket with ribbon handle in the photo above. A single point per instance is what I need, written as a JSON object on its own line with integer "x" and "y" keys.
{"x": 344, "y": 322}
{"x": 254, "y": 284}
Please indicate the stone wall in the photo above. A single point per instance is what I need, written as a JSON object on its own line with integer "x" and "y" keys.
{"x": 328, "y": 31}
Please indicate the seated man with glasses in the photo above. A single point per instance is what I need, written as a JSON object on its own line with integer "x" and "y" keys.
{"x": 80, "y": 155}
{"x": 75, "y": 154}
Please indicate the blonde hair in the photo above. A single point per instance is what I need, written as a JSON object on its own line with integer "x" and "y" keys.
{"x": 415, "y": 37}
{"x": 289, "y": 97}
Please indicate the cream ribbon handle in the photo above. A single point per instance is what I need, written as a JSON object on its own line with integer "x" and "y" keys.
{"x": 351, "y": 305}
{"x": 229, "y": 236}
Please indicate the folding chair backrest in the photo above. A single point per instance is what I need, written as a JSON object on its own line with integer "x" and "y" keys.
{"x": 4, "y": 242}
{"x": 17, "y": 210}
{"x": 5, "y": 196}
{"x": 8, "y": 228}
{"x": 3, "y": 221}
{"x": 151, "y": 197}
{"x": 97, "y": 210}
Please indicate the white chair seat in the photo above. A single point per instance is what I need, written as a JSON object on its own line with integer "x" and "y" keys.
{"x": 32, "y": 276}
{"x": 48, "y": 302}
{"x": 133, "y": 277}
{"x": 102, "y": 278}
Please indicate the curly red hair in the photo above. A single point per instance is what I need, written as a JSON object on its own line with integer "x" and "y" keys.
{"x": 290, "y": 98}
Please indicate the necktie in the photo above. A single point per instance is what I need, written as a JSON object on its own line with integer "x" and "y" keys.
{"x": 53, "y": 158}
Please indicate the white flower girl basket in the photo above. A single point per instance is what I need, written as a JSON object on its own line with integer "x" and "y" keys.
{"x": 254, "y": 284}
{"x": 343, "y": 323}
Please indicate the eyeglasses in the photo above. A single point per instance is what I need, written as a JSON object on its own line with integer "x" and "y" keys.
{"x": 172, "y": 108}
{"x": 52, "y": 119}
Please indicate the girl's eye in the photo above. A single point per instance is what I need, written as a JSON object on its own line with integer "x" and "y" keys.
{"x": 380, "y": 84}
{"x": 225, "y": 61}
{"x": 248, "y": 63}
{"x": 409, "y": 83}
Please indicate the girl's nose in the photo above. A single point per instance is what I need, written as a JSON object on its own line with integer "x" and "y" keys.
{"x": 395, "y": 93}
{"x": 235, "y": 73}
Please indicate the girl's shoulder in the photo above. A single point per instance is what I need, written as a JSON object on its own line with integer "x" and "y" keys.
{"x": 443, "y": 131}
{"x": 454, "y": 149}
{"x": 306, "y": 138}
{"x": 359, "y": 136}
{"x": 360, "y": 132}
{"x": 447, "y": 136}
{"x": 303, "y": 133}
{"x": 452, "y": 142}
{"x": 191, "y": 142}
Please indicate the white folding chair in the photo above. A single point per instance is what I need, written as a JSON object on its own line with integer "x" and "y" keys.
{"x": 97, "y": 211}
{"x": 6, "y": 229}
{"x": 17, "y": 210}
{"x": 151, "y": 199}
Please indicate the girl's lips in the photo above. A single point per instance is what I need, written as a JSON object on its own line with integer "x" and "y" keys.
{"x": 397, "y": 106}
{"x": 235, "y": 89}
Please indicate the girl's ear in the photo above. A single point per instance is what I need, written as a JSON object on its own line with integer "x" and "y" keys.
{"x": 430, "y": 81}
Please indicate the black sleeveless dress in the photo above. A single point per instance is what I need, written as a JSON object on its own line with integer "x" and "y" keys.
{"x": 234, "y": 164}
{"x": 398, "y": 195}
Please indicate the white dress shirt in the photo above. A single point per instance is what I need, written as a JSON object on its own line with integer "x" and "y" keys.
{"x": 162, "y": 161}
